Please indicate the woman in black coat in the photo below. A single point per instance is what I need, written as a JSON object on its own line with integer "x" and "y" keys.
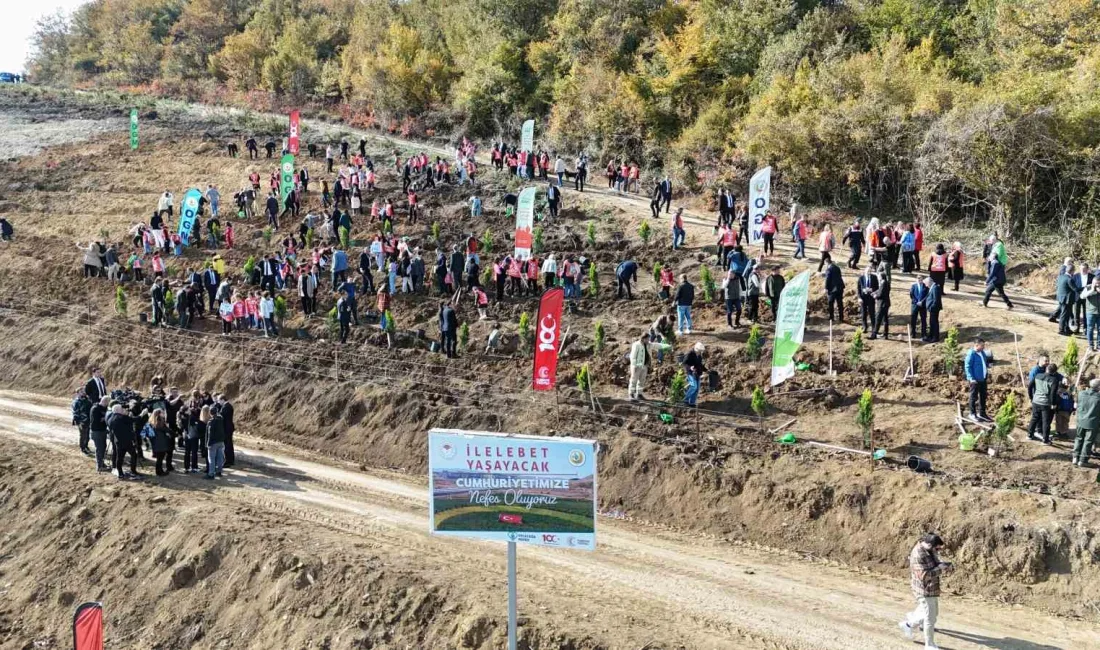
{"x": 162, "y": 442}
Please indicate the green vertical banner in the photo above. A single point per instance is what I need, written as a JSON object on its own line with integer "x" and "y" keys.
{"x": 790, "y": 326}
{"x": 133, "y": 128}
{"x": 286, "y": 177}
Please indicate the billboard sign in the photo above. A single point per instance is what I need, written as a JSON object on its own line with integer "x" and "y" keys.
{"x": 513, "y": 488}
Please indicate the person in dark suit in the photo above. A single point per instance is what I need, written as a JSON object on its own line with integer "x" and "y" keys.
{"x": 664, "y": 194}
{"x": 882, "y": 304}
{"x": 995, "y": 281}
{"x": 225, "y": 410}
{"x": 725, "y": 208}
{"x": 866, "y": 288}
{"x": 210, "y": 282}
{"x": 918, "y": 293}
{"x": 834, "y": 290}
{"x": 1082, "y": 280}
{"x": 933, "y": 302}
{"x": 96, "y": 388}
{"x": 1066, "y": 293}
{"x": 448, "y": 328}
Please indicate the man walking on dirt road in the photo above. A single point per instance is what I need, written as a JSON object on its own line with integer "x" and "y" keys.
{"x": 925, "y": 569}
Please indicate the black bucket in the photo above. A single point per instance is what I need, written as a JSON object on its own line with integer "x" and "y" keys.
{"x": 918, "y": 464}
{"x": 143, "y": 318}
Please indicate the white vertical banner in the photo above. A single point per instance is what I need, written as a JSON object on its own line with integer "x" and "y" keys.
{"x": 760, "y": 200}
{"x": 527, "y": 136}
{"x": 525, "y": 223}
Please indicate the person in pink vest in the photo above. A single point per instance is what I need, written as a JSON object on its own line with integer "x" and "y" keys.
{"x": 918, "y": 232}
{"x": 229, "y": 235}
{"x": 515, "y": 277}
{"x": 825, "y": 244}
{"x": 482, "y": 301}
{"x": 533, "y": 276}
{"x": 157, "y": 265}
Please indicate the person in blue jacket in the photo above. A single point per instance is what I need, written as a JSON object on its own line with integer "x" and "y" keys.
{"x": 977, "y": 374}
{"x": 933, "y": 302}
{"x": 995, "y": 281}
{"x": 626, "y": 273}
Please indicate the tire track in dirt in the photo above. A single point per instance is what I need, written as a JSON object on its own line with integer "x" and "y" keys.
{"x": 712, "y": 594}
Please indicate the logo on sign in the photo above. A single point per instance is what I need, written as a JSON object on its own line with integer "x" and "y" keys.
{"x": 576, "y": 458}
{"x": 550, "y": 539}
{"x": 449, "y": 451}
{"x": 548, "y": 333}
{"x": 288, "y": 168}
{"x": 761, "y": 185}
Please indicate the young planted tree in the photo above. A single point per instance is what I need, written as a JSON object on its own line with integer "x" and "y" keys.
{"x": 249, "y": 267}
{"x": 436, "y": 229}
{"x": 332, "y": 322}
{"x": 487, "y": 241}
{"x": 865, "y": 416}
{"x": 525, "y": 330}
{"x": 267, "y": 233}
{"x": 591, "y": 234}
{"x": 120, "y": 302}
{"x": 754, "y": 346}
{"x": 345, "y": 238}
{"x": 951, "y": 351}
{"x": 759, "y": 403}
{"x": 677, "y": 388}
{"x": 1071, "y": 362}
{"x": 280, "y": 309}
{"x": 309, "y": 238}
{"x": 169, "y": 306}
{"x": 584, "y": 380}
{"x": 709, "y": 287}
{"x": 855, "y": 349}
{"x": 464, "y": 336}
{"x": 600, "y": 336}
{"x": 593, "y": 281}
{"x": 536, "y": 242}
{"x": 1003, "y": 424}
{"x": 644, "y": 231}
{"x": 657, "y": 273}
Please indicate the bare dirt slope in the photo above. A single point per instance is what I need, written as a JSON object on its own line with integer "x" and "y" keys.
{"x": 337, "y": 553}
{"x": 1024, "y": 526}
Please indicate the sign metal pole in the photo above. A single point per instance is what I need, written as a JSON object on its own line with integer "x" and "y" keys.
{"x": 511, "y": 596}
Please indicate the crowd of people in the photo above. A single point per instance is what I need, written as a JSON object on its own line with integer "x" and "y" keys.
{"x": 123, "y": 424}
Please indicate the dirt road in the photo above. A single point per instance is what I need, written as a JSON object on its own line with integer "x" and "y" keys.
{"x": 641, "y": 585}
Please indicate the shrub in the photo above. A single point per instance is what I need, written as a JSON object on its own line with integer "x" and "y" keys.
{"x": 600, "y": 336}
{"x": 855, "y": 349}
{"x": 584, "y": 380}
{"x": 677, "y": 388}
{"x": 644, "y": 232}
{"x": 754, "y": 347}
{"x": 593, "y": 281}
{"x": 591, "y": 234}
{"x": 865, "y": 416}
{"x": 120, "y": 302}
{"x": 951, "y": 351}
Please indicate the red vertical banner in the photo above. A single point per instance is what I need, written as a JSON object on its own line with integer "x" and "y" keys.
{"x": 88, "y": 627}
{"x": 295, "y": 129}
{"x": 547, "y": 339}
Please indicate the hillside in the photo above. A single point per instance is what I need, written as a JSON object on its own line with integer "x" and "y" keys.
{"x": 1023, "y": 525}
{"x": 946, "y": 110}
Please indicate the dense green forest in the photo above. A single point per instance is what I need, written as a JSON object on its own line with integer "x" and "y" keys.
{"x": 982, "y": 109}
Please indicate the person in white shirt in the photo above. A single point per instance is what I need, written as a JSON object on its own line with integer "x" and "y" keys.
{"x": 267, "y": 312}
{"x": 165, "y": 203}
{"x": 639, "y": 366}
{"x": 549, "y": 270}
{"x": 559, "y": 169}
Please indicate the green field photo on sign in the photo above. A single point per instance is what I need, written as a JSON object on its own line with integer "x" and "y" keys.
{"x": 561, "y": 516}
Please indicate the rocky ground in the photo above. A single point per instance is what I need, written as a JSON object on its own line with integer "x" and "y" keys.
{"x": 1024, "y": 525}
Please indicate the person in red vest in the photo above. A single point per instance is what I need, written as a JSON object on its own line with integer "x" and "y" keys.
{"x": 769, "y": 227}
{"x": 727, "y": 239}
